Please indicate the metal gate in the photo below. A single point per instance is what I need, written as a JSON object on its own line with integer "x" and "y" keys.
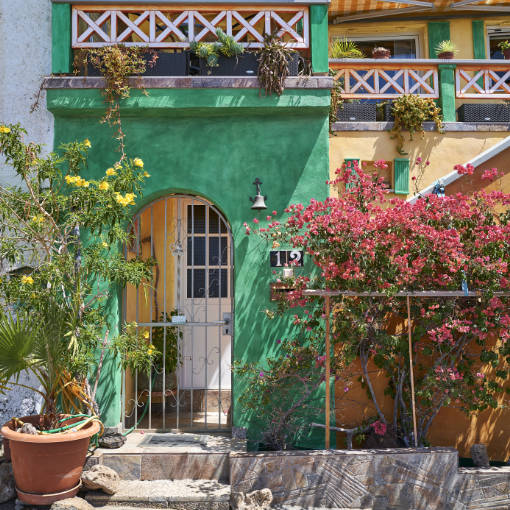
{"x": 186, "y": 316}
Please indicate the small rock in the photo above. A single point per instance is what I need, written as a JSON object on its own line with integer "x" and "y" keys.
{"x": 7, "y": 486}
{"x": 72, "y": 504}
{"x": 112, "y": 440}
{"x": 28, "y": 428}
{"x": 256, "y": 500}
{"x": 480, "y": 456}
{"x": 100, "y": 477}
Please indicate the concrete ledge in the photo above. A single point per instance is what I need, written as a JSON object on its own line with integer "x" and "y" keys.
{"x": 449, "y": 127}
{"x": 187, "y": 82}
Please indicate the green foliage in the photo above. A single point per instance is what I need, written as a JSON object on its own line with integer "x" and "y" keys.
{"x": 226, "y": 46}
{"x": 504, "y": 45}
{"x": 345, "y": 48}
{"x": 410, "y": 112}
{"x": 274, "y": 64}
{"x": 173, "y": 357}
{"x": 67, "y": 281}
{"x": 283, "y": 392}
{"x": 134, "y": 348}
{"x": 446, "y": 47}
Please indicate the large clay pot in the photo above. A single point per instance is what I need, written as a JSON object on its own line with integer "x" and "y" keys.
{"x": 446, "y": 55}
{"x": 47, "y": 468}
{"x": 506, "y": 54}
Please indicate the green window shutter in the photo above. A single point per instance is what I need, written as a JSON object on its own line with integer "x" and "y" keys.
{"x": 348, "y": 163}
{"x": 437, "y": 31}
{"x": 61, "y": 39}
{"x": 401, "y": 176}
{"x": 319, "y": 38}
{"x": 478, "y": 39}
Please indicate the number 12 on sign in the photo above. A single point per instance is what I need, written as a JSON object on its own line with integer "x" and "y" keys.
{"x": 280, "y": 258}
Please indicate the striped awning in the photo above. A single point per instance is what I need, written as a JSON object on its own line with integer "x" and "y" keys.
{"x": 354, "y": 8}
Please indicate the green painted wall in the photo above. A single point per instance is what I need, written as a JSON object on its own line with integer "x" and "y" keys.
{"x": 61, "y": 38}
{"x": 214, "y": 143}
{"x": 437, "y": 31}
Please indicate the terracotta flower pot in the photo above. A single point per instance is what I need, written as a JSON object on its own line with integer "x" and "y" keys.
{"x": 506, "y": 54}
{"x": 446, "y": 55}
{"x": 381, "y": 54}
{"x": 47, "y": 468}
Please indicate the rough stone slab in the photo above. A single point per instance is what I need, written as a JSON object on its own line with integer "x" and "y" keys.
{"x": 127, "y": 466}
{"x": 187, "y": 82}
{"x": 177, "y": 494}
{"x": 427, "y": 126}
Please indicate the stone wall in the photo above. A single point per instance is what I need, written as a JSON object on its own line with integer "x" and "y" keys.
{"x": 403, "y": 479}
{"x": 25, "y": 59}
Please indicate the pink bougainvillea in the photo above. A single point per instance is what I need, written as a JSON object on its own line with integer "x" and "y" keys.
{"x": 364, "y": 240}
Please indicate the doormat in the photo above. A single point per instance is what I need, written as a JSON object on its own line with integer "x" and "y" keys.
{"x": 171, "y": 439}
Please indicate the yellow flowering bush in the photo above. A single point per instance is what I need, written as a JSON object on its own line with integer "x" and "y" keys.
{"x": 138, "y": 162}
{"x": 4, "y": 130}
{"x": 111, "y": 172}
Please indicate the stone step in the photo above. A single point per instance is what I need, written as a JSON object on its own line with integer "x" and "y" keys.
{"x": 172, "y": 494}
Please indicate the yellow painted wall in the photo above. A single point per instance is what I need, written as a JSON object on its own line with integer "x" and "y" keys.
{"x": 443, "y": 151}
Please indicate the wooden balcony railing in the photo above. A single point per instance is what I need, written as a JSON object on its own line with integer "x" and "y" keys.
{"x": 386, "y": 79}
{"x": 483, "y": 81}
{"x": 389, "y": 79}
{"x": 167, "y": 26}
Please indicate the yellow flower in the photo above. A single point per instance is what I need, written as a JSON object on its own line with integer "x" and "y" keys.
{"x": 27, "y": 279}
{"x": 110, "y": 172}
{"x": 146, "y": 334}
{"x": 71, "y": 179}
{"x": 130, "y": 197}
{"x": 138, "y": 162}
{"x": 104, "y": 245}
{"x": 149, "y": 352}
{"x": 4, "y": 130}
{"x": 39, "y": 218}
{"x": 103, "y": 185}
{"x": 85, "y": 184}
{"x": 152, "y": 347}
{"x": 87, "y": 143}
{"x": 146, "y": 174}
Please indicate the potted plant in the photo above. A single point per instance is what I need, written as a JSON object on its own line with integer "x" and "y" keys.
{"x": 446, "y": 50}
{"x": 410, "y": 112}
{"x": 345, "y": 48}
{"x": 225, "y": 57}
{"x": 276, "y": 62}
{"x": 54, "y": 317}
{"x": 504, "y": 46}
{"x": 381, "y": 53}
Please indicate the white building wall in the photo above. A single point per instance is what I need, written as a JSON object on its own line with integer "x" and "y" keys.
{"x": 25, "y": 58}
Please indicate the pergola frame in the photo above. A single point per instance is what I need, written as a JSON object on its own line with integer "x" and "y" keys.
{"x": 328, "y": 294}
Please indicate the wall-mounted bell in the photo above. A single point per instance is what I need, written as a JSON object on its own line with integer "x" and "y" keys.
{"x": 259, "y": 202}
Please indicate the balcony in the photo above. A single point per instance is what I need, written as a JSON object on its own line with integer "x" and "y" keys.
{"x": 170, "y": 29}
{"x": 452, "y": 82}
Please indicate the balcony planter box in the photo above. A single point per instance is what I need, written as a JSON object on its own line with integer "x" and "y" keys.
{"x": 480, "y": 112}
{"x": 167, "y": 64}
{"x": 357, "y": 112}
{"x": 246, "y": 64}
{"x": 388, "y": 112}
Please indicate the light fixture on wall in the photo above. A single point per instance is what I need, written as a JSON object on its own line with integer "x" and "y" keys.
{"x": 259, "y": 203}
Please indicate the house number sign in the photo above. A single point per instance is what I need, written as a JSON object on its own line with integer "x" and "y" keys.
{"x": 279, "y": 258}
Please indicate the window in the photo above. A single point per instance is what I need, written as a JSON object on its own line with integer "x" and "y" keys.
{"x": 207, "y": 256}
{"x": 405, "y": 46}
{"x": 495, "y": 36}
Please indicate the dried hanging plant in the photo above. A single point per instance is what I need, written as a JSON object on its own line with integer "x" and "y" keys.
{"x": 273, "y": 64}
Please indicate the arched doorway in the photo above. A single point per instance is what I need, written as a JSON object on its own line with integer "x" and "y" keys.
{"x": 187, "y": 316}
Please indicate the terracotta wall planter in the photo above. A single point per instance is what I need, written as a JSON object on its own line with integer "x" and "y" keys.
{"x": 506, "y": 54}
{"x": 446, "y": 55}
{"x": 47, "y": 468}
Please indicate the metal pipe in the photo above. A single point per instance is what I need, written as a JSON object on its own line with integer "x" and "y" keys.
{"x": 411, "y": 371}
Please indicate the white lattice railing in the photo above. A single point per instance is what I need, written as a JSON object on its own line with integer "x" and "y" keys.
{"x": 175, "y": 27}
{"x": 376, "y": 79}
{"x": 482, "y": 82}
